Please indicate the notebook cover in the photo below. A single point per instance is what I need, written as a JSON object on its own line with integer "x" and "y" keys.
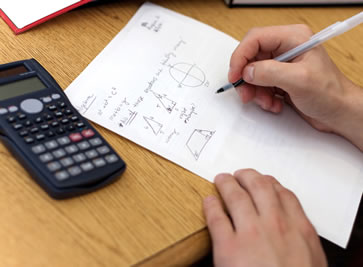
{"x": 35, "y": 23}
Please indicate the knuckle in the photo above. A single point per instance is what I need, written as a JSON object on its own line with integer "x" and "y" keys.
{"x": 287, "y": 195}
{"x": 235, "y": 198}
{"x": 307, "y": 229}
{"x": 245, "y": 172}
{"x": 215, "y": 221}
{"x": 279, "y": 224}
{"x": 260, "y": 183}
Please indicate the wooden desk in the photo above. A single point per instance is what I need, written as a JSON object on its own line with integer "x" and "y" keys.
{"x": 153, "y": 215}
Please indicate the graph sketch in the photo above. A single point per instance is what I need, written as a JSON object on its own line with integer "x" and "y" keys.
{"x": 198, "y": 140}
{"x": 186, "y": 74}
{"x": 153, "y": 125}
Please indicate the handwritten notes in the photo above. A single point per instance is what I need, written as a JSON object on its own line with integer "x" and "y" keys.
{"x": 154, "y": 84}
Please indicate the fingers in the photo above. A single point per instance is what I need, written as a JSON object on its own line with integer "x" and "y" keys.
{"x": 262, "y": 191}
{"x": 263, "y": 43}
{"x": 237, "y": 200}
{"x": 262, "y": 96}
{"x": 218, "y": 222}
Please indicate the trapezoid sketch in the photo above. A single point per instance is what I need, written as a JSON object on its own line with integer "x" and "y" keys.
{"x": 186, "y": 74}
{"x": 198, "y": 140}
{"x": 154, "y": 125}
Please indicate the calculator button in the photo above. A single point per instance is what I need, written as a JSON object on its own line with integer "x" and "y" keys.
{"x": 51, "y": 144}
{"x": 66, "y": 162}
{"x": 75, "y": 170}
{"x": 56, "y": 96}
{"x": 60, "y": 131}
{"x": 23, "y": 133}
{"x": 59, "y": 153}
{"x": 31, "y": 105}
{"x": 79, "y": 157}
{"x": 83, "y": 145}
{"x": 99, "y": 162}
{"x": 80, "y": 124}
{"x": 13, "y": 109}
{"x": 54, "y": 166}
{"x": 47, "y": 99}
{"x": 40, "y": 137}
{"x": 68, "y": 112}
{"x": 62, "y": 105}
{"x": 47, "y": 117}
{"x": 50, "y": 134}
{"x": 75, "y": 137}
{"x": 58, "y": 114}
{"x": 103, "y": 150}
{"x": 28, "y": 123}
{"x": 70, "y": 128}
{"x": 11, "y": 119}
{"x": 95, "y": 141}
{"x": 63, "y": 141}
{"x": 44, "y": 127}
{"x": 88, "y": 133}
{"x": 62, "y": 175}
{"x": 34, "y": 130}
{"x": 17, "y": 126}
{"x": 38, "y": 120}
{"x": 111, "y": 158}
{"x": 65, "y": 121}
{"x": 21, "y": 116}
{"x": 91, "y": 154}
{"x": 71, "y": 149}
{"x": 46, "y": 157}
{"x": 29, "y": 140}
{"x": 55, "y": 124}
{"x": 52, "y": 107}
{"x": 3, "y": 111}
{"x": 87, "y": 166}
{"x": 74, "y": 118}
{"x": 38, "y": 149}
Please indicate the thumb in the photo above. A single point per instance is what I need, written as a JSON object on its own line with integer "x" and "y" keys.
{"x": 272, "y": 73}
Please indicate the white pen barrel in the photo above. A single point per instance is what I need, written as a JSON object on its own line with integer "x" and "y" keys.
{"x": 287, "y": 56}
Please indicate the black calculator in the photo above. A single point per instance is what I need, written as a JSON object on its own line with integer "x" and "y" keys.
{"x": 60, "y": 149}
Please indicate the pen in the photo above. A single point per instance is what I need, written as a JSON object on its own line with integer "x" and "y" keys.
{"x": 315, "y": 40}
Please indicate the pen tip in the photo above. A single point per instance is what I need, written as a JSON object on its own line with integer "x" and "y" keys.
{"x": 220, "y": 90}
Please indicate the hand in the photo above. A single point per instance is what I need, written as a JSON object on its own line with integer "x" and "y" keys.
{"x": 265, "y": 225}
{"x": 311, "y": 83}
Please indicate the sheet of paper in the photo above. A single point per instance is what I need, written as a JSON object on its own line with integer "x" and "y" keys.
{"x": 155, "y": 84}
{"x": 25, "y": 12}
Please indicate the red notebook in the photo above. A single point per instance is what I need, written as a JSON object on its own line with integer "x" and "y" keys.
{"x": 21, "y": 15}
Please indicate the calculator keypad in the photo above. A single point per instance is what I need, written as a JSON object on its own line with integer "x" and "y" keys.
{"x": 61, "y": 140}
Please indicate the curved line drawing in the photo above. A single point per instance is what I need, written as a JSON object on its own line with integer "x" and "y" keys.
{"x": 186, "y": 74}
{"x": 198, "y": 140}
{"x": 154, "y": 125}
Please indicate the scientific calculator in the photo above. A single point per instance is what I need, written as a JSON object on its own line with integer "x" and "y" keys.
{"x": 60, "y": 149}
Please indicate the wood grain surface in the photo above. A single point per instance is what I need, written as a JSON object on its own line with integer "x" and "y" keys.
{"x": 153, "y": 215}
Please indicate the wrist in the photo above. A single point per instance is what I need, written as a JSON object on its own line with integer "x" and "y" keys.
{"x": 350, "y": 123}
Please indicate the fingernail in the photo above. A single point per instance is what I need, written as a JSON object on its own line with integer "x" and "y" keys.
{"x": 249, "y": 73}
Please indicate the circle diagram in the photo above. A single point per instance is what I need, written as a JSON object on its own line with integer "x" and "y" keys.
{"x": 186, "y": 74}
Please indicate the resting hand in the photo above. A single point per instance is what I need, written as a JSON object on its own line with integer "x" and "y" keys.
{"x": 266, "y": 225}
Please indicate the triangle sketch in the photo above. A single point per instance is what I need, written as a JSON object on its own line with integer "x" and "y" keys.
{"x": 154, "y": 125}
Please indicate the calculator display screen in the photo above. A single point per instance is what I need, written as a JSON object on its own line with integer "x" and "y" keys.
{"x": 21, "y": 87}
{"x": 12, "y": 71}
